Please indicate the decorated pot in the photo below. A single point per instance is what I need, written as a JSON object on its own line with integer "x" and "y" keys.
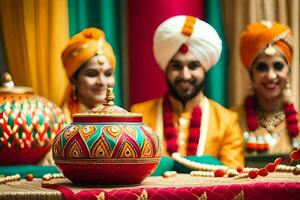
{"x": 107, "y": 145}
{"x": 28, "y": 124}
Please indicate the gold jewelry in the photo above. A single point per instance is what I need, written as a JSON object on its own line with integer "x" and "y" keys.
{"x": 287, "y": 92}
{"x": 270, "y": 120}
{"x": 267, "y": 23}
{"x": 74, "y": 96}
{"x": 100, "y": 47}
{"x": 100, "y": 52}
{"x": 100, "y": 59}
{"x": 270, "y": 50}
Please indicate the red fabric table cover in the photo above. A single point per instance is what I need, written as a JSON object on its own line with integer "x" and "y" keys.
{"x": 184, "y": 186}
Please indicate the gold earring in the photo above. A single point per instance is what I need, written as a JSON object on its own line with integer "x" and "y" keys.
{"x": 251, "y": 88}
{"x": 74, "y": 97}
{"x": 287, "y": 92}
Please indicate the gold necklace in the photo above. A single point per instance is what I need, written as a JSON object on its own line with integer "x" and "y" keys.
{"x": 270, "y": 120}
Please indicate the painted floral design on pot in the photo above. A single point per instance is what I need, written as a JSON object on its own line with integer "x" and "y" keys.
{"x": 107, "y": 145}
{"x": 28, "y": 124}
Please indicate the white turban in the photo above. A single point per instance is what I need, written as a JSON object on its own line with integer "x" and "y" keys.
{"x": 201, "y": 38}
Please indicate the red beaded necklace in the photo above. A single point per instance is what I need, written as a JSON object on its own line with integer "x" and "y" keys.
{"x": 253, "y": 122}
{"x": 170, "y": 132}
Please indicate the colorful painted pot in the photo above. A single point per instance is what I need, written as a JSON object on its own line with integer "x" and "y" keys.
{"x": 107, "y": 145}
{"x": 28, "y": 124}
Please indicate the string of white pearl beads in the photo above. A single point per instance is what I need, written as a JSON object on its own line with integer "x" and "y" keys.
{"x": 232, "y": 173}
{"x": 202, "y": 173}
{"x": 12, "y": 178}
{"x": 195, "y": 165}
{"x": 240, "y": 176}
{"x": 169, "y": 174}
{"x": 248, "y": 169}
{"x": 48, "y": 177}
{"x": 285, "y": 168}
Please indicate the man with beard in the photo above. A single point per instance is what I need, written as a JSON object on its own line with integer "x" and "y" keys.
{"x": 185, "y": 120}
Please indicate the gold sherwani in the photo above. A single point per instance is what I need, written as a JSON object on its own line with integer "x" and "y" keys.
{"x": 282, "y": 142}
{"x": 220, "y": 133}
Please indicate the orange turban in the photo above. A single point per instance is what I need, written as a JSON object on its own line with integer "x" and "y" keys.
{"x": 258, "y": 36}
{"x": 83, "y": 46}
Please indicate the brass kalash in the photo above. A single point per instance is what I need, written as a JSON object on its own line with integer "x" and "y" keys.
{"x": 106, "y": 145}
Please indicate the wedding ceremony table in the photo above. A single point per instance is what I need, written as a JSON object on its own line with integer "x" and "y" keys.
{"x": 182, "y": 186}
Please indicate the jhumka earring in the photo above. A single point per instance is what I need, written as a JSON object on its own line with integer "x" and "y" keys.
{"x": 287, "y": 92}
{"x": 74, "y": 97}
{"x": 250, "y": 88}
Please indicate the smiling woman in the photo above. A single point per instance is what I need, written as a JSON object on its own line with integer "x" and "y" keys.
{"x": 89, "y": 62}
{"x": 92, "y": 80}
{"x": 269, "y": 75}
{"x": 268, "y": 117}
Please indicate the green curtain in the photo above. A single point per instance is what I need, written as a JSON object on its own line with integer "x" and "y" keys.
{"x": 216, "y": 79}
{"x": 104, "y": 14}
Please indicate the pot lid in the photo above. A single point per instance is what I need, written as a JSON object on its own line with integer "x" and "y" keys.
{"x": 8, "y": 86}
{"x": 108, "y": 112}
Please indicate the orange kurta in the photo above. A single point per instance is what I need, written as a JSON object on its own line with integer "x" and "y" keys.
{"x": 220, "y": 133}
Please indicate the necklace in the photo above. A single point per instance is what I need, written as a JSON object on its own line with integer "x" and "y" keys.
{"x": 269, "y": 121}
{"x": 171, "y": 133}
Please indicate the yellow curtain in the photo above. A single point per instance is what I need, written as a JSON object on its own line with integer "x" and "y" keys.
{"x": 34, "y": 35}
{"x": 239, "y": 13}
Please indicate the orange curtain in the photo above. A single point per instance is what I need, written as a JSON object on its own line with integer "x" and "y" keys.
{"x": 34, "y": 35}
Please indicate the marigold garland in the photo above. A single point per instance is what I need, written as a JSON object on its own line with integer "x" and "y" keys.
{"x": 253, "y": 122}
{"x": 171, "y": 133}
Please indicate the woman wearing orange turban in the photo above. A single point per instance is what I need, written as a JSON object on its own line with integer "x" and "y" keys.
{"x": 268, "y": 117}
{"x": 89, "y": 63}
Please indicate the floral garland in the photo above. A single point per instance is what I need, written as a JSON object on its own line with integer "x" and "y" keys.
{"x": 170, "y": 131}
{"x": 253, "y": 122}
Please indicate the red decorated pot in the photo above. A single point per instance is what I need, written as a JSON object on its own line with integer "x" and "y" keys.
{"x": 28, "y": 124}
{"x": 107, "y": 145}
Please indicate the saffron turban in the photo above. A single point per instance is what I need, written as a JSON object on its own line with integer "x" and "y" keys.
{"x": 259, "y": 36}
{"x": 83, "y": 46}
{"x": 201, "y": 39}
